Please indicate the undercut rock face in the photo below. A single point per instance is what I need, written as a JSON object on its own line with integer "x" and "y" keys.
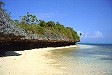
{"x": 13, "y": 37}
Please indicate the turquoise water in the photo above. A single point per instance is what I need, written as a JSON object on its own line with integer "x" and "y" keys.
{"x": 87, "y": 59}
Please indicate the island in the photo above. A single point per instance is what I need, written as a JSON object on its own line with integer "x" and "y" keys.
{"x": 28, "y": 32}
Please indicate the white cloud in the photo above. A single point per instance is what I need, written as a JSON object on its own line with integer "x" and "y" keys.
{"x": 95, "y": 34}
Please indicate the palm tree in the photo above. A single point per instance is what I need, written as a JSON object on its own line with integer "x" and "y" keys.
{"x": 80, "y": 34}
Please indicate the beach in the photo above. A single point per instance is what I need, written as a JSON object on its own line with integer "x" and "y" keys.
{"x": 78, "y": 59}
{"x": 30, "y": 62}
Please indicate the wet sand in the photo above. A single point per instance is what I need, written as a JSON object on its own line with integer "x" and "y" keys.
{"x": 30, "y": 62}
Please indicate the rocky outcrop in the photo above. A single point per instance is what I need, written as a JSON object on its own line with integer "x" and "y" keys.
{"x": 7, "y": 27}
{"x": 13, "y": 37}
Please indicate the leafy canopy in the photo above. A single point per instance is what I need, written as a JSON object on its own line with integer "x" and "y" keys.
{"x": 30, "y": 23}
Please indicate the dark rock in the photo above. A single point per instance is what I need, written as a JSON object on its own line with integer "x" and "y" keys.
{"x": 13, "y": 37}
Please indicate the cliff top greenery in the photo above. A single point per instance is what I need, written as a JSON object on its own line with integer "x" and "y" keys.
{"x": 31, "y": 24}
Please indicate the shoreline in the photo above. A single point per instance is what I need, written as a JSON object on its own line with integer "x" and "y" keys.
{"x": 31, "y": 44}
{"x": 54, "y": 48}
{"x": 30, "y": 62}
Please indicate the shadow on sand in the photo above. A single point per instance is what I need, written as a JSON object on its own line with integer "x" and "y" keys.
{"x": 8, "y": 53}
{"x": 7, "y": 48}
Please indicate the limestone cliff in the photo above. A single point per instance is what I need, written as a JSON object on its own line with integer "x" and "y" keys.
{"x": 15, "y": 37}
{"x": 6, "y": 27}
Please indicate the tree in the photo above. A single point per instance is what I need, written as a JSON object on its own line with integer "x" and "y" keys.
{"x": 29, "y": 19}
{"x": 1, "y": 4}
{"x": 57, "y": 23}
{"x": 30, "y": 23}
{"x": 42, "y": 23}
{"x": 50, "y": 24}
{"x": 80, "y": 34}
{"x": 59, "y": 26}
{"x": 16, "y": 22}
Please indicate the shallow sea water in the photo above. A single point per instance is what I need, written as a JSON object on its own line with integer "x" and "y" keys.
{"x": 94, "y": 59}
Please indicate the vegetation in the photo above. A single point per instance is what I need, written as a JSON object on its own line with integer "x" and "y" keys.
{"x": 80, "y": 34}
{"x": 30, "y": 23}
{"x": 29, "y": 19}
{"x": 29, "y": 32}
{"x": 1, "y": 4}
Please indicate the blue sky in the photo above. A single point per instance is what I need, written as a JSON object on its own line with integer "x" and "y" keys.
{"x": 91, "y": 17}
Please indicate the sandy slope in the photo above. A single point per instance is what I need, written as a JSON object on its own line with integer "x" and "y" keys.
{"x": 31, "y": 62}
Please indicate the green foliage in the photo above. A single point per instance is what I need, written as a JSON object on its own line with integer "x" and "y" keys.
{"x": 1, "y": 4}
{"x": 32, "y": 28}
{"x": 80, "y": 34}
{"x": 27, "y": 22}
{"x": 31, "y": 24}
{"x": 29, "y": 19}
{"x": 73, "y": 34}
{"x": 16, "y": 22}
{"x": 50, "y": 24}
{"x": 42, "y": 23}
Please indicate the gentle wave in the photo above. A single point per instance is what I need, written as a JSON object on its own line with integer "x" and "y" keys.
{"x": 87, "y": 46}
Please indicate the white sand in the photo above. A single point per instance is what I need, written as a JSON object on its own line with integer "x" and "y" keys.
{"x": 31, "y": 62}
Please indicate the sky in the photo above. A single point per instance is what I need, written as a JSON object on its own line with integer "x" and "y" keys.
{"x": 92, "y": 18}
